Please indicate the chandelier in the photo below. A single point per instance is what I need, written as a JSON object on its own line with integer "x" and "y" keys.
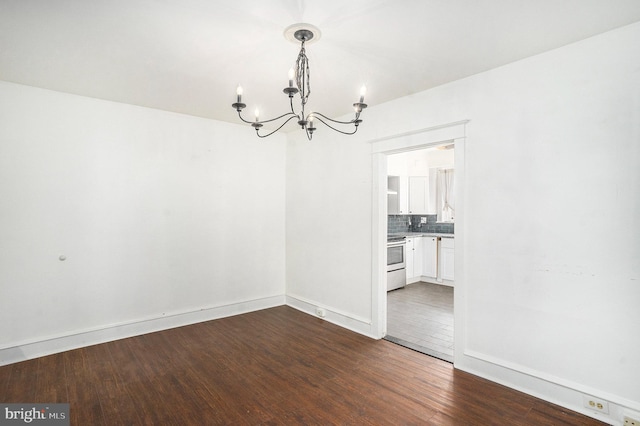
{"x": 301, "y": 76}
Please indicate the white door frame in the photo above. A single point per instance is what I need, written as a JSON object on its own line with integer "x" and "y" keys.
{"x": 381, "y": 148}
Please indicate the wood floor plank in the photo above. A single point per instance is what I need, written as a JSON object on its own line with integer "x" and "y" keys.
{"x": 5, "y": 378}
{"x": 22, "y": 383}
{"x": 276, "y": 366}
{"x": 51, "y": 380}
{"x": 82, "y": 380}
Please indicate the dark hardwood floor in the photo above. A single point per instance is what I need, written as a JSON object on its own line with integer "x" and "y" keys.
{"x": 276, "y": 366}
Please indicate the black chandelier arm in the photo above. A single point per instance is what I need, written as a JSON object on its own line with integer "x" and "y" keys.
{"x": 281, "y": 126}
{"x": 293, "y": 114}
{"x": 315, "y": 114}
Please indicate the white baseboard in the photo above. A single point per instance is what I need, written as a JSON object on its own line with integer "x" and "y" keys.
{"x": 555, "y": 390}
{"x": 22, "y": 351}
{"x": 357, "y": 324}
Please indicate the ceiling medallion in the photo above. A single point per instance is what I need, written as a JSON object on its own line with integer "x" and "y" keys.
{"x": 304, "y": 34}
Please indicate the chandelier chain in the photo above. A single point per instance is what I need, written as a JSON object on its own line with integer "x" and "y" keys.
{"x": 303, "y": 75}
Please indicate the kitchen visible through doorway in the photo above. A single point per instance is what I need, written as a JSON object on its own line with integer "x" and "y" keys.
{"x": 421, "y": 209}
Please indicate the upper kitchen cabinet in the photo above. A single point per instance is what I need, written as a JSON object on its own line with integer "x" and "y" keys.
{"x": 419, "y": 195}
{"x": 407, "y": 195}
{"x": 397, "y": 195}
{"x": 415, "y": 182}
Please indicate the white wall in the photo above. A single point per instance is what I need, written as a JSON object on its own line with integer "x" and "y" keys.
{"x": 158, "y": 215}
{"x": 329, "y": 227}
{"x": 549, "y": 298}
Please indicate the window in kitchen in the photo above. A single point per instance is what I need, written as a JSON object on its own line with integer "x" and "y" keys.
{"x": 445, "y": 202}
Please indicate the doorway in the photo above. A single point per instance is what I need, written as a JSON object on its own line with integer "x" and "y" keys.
{"x": 421, "y": 210}
{"x": 381, "y": 149}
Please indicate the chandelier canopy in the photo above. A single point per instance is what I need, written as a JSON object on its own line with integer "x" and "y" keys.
{"x": 301, "y": 76}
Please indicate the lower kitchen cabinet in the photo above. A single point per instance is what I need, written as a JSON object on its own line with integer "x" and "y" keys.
{"x": 430, "y": 257}
{"x": 414, "y": 259}
{"x": 408, "y": 261}
{"x": 446, "y": 259}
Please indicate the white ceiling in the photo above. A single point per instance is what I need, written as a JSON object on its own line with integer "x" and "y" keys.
{"x": 188, "y": 56}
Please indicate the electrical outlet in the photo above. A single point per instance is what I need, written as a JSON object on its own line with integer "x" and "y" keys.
{"x": 593, "y": 403}
{"x": 423, "y": 220}
{"x": 628, "y": 421}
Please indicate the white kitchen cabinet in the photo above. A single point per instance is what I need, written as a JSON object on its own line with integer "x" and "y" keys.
{"x": 403, "y": 195}
{"x": 417, "y": 257}
{"x": 446, "y": 259}
{"x": 414, "y": 260}
{"x": 408, "y": 259}
{"x": 430, "y": 257}
{"x": 418, "y": 194}
{"x": 397, "y": 195}
{"x": 407, "y": 195}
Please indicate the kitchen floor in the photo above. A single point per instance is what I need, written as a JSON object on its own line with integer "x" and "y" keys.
{"x": 420, "y": 317}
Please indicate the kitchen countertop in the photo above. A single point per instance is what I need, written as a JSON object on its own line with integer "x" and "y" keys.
{"x": 420, "y": 234}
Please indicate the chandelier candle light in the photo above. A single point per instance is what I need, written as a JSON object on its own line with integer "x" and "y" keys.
{"x": 303, "y": 33}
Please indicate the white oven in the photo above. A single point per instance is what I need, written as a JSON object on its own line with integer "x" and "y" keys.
{"x": 396, "y": 258}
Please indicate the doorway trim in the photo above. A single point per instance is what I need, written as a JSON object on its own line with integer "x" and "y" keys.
{"x": 380, "y": 148}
